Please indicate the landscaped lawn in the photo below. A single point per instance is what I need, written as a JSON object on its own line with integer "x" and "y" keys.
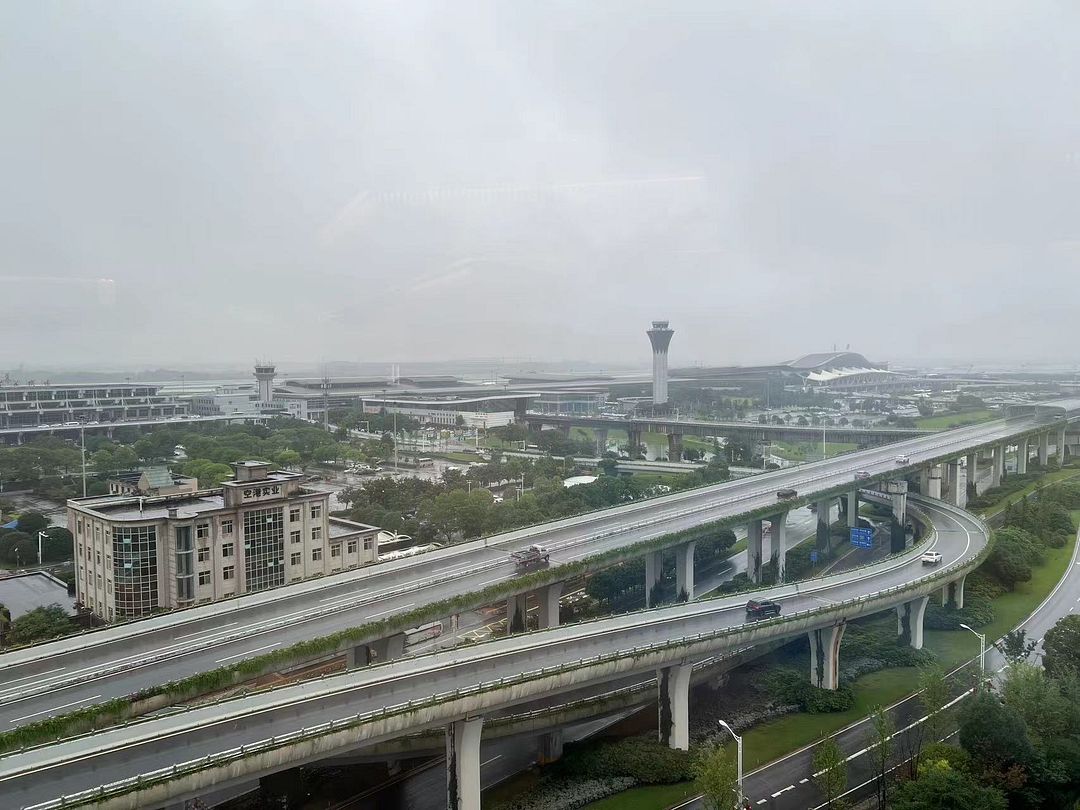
{"x": 952, "y": 420}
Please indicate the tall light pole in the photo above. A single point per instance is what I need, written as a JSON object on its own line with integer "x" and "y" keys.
{"x": 982, "y": 649}
{"x": 738, "y": 748}
{"x": 40, "y": 535}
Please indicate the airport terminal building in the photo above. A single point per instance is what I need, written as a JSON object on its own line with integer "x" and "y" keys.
{"x": 137, "y": 555}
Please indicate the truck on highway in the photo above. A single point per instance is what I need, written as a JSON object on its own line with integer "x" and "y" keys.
{"x": 533, "y": 555}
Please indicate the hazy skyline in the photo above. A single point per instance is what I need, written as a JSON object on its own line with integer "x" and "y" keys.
{"x": 210, "y": 183}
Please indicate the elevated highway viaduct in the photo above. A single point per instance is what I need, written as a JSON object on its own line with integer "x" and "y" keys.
{"x": 371, "y": 607}
{"x": 167, "y": 759}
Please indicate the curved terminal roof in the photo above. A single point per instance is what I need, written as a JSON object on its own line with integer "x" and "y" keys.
{"x": 827, "y": 361}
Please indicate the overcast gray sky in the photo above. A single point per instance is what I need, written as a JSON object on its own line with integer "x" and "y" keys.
{"x": 417, "y": 181}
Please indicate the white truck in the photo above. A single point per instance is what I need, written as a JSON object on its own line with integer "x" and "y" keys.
{"x": 533, "y": 555}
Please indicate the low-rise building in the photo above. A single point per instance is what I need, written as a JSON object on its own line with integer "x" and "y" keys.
{"x": 150, "y": 482}
{"x": 137, "y": 555}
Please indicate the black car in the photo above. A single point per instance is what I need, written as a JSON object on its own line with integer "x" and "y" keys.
{"x": 761, "y": 609}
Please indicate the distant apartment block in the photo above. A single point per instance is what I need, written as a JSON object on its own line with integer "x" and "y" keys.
{"x": 136, "y": 555}
{"x": 33, "y": 405}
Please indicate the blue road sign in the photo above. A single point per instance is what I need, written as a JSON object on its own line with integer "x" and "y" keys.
{"x": 813, "y": 556}
{"x": 862, "y": 538}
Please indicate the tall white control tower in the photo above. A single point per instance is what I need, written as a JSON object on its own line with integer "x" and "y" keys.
{"x": 264, "y": 374}
{"x": 660, "y": 337}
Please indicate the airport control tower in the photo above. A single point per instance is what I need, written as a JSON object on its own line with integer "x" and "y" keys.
{"x": 264, "y": 374}
{"x": 660, "y": 337}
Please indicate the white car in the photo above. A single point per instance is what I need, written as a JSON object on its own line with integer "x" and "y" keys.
{"x": 931, "y": 558}
{"x": 902, "y": 460}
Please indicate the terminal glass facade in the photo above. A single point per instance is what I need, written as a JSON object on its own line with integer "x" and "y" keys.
{"x": 185, "y": 566}
{"x": 135, "y": 570}
{"x": 264, "y": 548}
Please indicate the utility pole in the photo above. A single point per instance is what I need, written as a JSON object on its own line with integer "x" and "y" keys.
{"x": 40, "y": 535}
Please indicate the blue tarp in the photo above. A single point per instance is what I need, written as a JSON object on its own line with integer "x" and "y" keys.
{"x": 11, "y": 525}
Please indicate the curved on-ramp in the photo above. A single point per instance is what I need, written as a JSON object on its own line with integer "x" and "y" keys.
{"x": 244, "y": 738}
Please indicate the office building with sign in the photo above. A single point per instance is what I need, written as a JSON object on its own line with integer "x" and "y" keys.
{"x": 264, "y": 528}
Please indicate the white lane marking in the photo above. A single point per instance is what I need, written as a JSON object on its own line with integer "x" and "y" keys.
{"x": 40, "y": 674}
{"x": 497, "y": 579}
{"x": 246, "y": 652}
{"x": 803, "y": 781}
{"x": 783, "y": 790}
{"x": 55, "y": 708}
{"x": 497, "y": 756}
{"x": 203, "y": 632}
{"x": 391, "y": 610}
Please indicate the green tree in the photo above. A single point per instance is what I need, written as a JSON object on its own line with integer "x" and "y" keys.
{"x": 5, "y": 623}
{"x": 18, "y": 548}
{"x": 933, "y": 695}
{"x": 995, "y": 736}
{"x": 717, "y": 776}
{"x": 287, "y": 458}
{"x": 31, "y": 523}
{"x": 58, "y": 545}
{"x": 41, "y": 624}
{"x": 830, "y": 772}
{"x": 1061, "y": 646}
{"x": 941, "y": 788}
{"x": 1015, "y": 646}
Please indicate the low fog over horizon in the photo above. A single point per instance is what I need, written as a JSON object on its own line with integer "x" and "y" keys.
{"x": 201, "y": 184}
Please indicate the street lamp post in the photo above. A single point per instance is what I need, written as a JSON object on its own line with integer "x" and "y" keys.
{"x": 982, "y": 649}
{"x": 738, "y": 748}
{"x": 40, "y": 536}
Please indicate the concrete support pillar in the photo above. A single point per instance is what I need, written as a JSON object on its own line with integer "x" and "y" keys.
{"x": 1044, "y": 448}
{"x": 634, "y": 438}
{"x": 998, "y": 470}
{"x": 674, "y": 447}
{"x": 376, "y": 652}
{"x": 601, "y": 441}
{"x": 549, "y": 605}
{"x": 684, "y": 571}
{"x": 909, "y": 621}
{"x": 956, "y": 491}
{"x": 823, "y": 539}
{"x": 825, "y": 656}
{"x": 935, "y": 481}
{"x": 515, "y": 612}
{"x": 551, "y": 746}
{"x": 754, "y": 559}
{"x": 954, "y": 592}
{"x": 778, "y": 544}
{"x": 924, "y": 481}
{"x": 853, "y": 509}
{"x": 1061, "y": 446}
{"x": 674, "y": 704}
{"x": 653, "y": 572}
{"x": 463, "y": 764}
{"x": 971, "y": 472}
{"x": 1021, "y": 455}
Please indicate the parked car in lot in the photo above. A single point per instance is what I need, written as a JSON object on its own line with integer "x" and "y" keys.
{"x": 786, "y": 494}
{"x": 762, "y": 609}
{"x": 902, "y": 459}
{"x": 931, "y": 558}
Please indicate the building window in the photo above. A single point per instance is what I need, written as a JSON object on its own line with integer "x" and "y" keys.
{"x": 352, "y": 547}
{"x": 335, "y": 550}
{"x": 79, "y": 525}
{"x": 316, "y": 511}
{"x": 135, "y": 570}
{"x": 99, "y": 580}
{"x": 204, "y": 577}
{"x": 226, "y": 527}
{"x": 264, "y": 541}
{"x": 204, "y": 555}
{"x": 295, "y": 558}
{"x": 316, "y": 554}
{"x": 228, "y": 572}
{"x": 97, "y": 555}
{"x": 294, "y": 515}
{"x": 369, "y": 543}
{"x": 294, "y": 537}
{"x": 202, "y": 531}
{"x": 226, "y": 549}
{"x": 316, "y": 532}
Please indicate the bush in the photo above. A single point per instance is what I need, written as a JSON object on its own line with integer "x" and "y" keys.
{"x": 644, "y": 759}
{"x": 789, "y": 686}
{"x": 977, "y": 611}
{"x": 881, "y": 644}
{"x": 557, "y": 795}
